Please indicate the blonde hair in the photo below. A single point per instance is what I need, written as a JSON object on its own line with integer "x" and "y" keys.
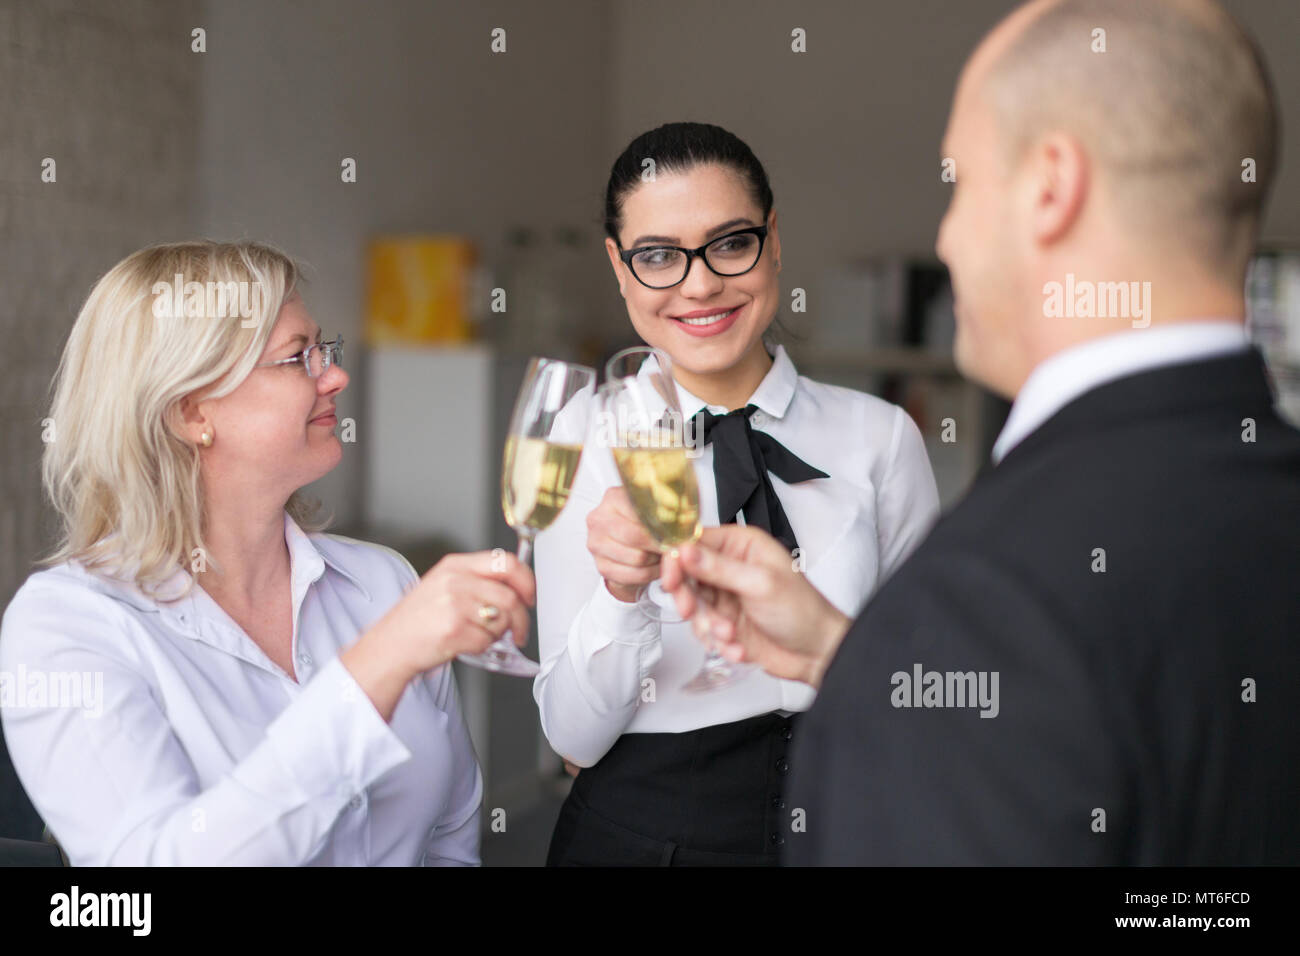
{"x": 124, "y": 481}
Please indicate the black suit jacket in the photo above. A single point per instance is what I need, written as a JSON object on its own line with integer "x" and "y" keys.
{"x": 1121, "y": 735}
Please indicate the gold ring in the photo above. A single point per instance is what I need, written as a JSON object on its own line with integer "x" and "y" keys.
{"x": 488, "y": 613}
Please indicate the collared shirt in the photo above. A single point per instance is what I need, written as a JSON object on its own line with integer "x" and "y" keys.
{"x": 159, "y": 733}
{"x": 1058, "y": 380}
{"x": 608, "y": 668}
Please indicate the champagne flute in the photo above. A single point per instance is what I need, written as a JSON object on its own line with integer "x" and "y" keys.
{"x": 653, "y": 454}
{"x": 543, "y": 448}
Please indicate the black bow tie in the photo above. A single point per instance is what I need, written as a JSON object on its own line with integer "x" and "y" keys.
{"x": 742, "y": 458}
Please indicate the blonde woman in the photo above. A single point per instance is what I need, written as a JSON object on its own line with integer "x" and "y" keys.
{"x": 263, "y": 693}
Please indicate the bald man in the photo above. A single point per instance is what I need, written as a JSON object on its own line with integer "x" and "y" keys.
{"x": 1093, "y": 658}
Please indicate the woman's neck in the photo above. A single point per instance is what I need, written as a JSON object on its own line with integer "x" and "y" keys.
{"x": 248, "y": 555}
{"x": 731, "y": 388}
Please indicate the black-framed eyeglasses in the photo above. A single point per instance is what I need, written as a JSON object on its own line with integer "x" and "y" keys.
{"x": 662, "y": 267}
{"x": 314, "y": 358}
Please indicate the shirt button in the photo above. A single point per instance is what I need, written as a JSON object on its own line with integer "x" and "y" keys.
{"x": 777, "y": 839}
{"x": 758, "y": 418}
{"x": 777, "y": 802}
{"x": 356, "y": 802}
{"x": 304, "y": 658}
{"x": 786, "y": 732}
{"x": 782, "y": 766}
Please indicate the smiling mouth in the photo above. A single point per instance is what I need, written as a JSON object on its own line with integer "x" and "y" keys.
{"x": 705, "y": 316}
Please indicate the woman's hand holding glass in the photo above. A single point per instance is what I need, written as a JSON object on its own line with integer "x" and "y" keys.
{"x": 652, "y": 452}
{"x": 538, "y": 469}
{"x": 625, "y": 554}
{"x": 440, "y": 618}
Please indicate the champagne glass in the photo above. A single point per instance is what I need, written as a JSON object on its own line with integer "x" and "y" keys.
{"x": 653, "y": 453}
{"x": 543, "y": 448}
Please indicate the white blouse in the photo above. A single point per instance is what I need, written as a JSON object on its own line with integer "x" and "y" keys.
{"x": 149, "y": 733}
{"x": 609, "y": 669}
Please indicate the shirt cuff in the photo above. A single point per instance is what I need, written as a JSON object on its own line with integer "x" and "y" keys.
{"x": 618, "y": 622}
{"x": 332, "y": 739}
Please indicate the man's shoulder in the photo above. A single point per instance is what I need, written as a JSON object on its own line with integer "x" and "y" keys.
{"x": 1123, "y": 473}
{"x": 1104, "y": 534}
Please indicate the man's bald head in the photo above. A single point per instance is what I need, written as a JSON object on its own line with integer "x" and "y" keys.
{"x": 1166, "y": 114}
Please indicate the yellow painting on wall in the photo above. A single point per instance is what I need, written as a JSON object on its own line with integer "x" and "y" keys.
{"x": 417, "y": 290}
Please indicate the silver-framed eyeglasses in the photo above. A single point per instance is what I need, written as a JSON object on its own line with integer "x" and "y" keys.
{"x": 315, "y": 358}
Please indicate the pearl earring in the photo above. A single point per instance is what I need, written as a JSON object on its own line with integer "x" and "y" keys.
{"x": 206, "y": 439}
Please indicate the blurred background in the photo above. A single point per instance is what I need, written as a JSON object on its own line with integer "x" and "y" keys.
{"x": 479, "y": 170}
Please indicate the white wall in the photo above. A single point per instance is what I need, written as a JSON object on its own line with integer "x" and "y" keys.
{"x": 110, "y": 95}
{"x": 448, "y": 137}
{"x": 850, "y": 130}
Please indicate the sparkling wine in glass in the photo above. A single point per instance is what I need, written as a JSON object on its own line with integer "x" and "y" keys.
{"x": 653, "y": 452}
{"x": 543, "y": 449}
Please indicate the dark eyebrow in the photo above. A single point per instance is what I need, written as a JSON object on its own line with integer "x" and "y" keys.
{"x": 672, "y": 240}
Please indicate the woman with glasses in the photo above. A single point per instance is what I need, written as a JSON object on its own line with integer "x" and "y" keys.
{"x": 672, "y": 775}
{"x": 233, "y": 687}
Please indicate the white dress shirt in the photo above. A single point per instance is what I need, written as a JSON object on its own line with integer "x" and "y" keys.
{"x": 1063, "y": 377}
{"x": 608, "y": 668}
{"x": 197, "y": 749}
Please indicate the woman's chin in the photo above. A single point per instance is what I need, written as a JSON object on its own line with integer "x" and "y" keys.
{"x": 325, "y": 456}
{"x": 711, "y": 356}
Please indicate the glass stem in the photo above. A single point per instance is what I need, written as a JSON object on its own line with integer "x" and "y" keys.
{"x": 525, "y": 551}
{"x": 711, "y": 657}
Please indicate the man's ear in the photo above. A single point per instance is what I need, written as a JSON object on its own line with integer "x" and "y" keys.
{"x": 620, "y": 271}
{"x": 774, "y": 238}
{"x": 1059, "y": 180}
